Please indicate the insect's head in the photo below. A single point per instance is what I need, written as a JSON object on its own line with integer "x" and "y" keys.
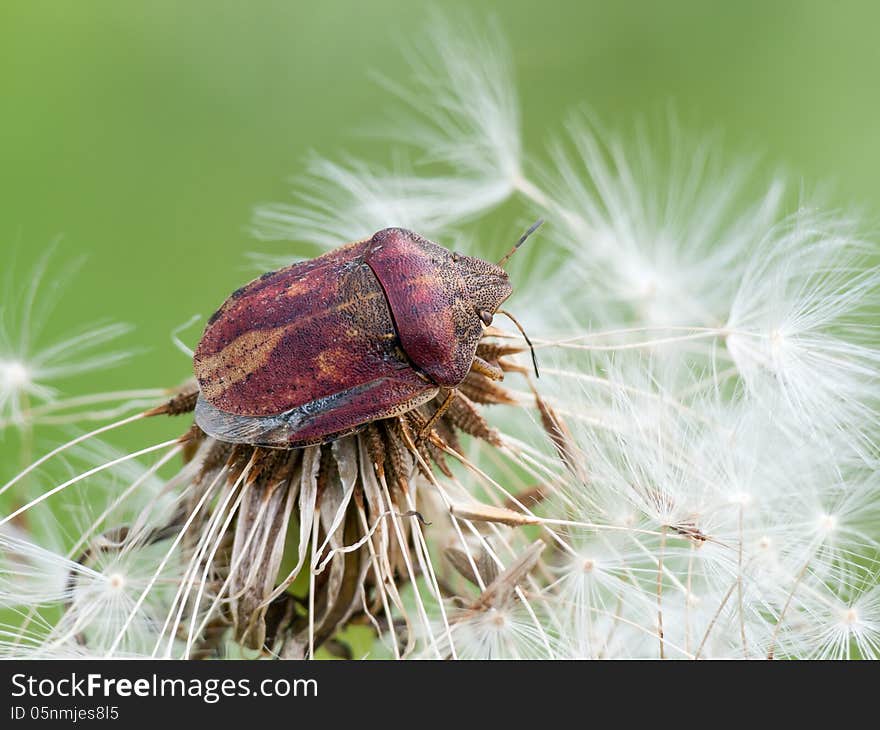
{"x": 486, "y": 315}
{"x": 489, "y": 284}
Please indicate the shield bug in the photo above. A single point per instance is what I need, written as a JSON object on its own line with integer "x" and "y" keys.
{"x": 320, "y": 349}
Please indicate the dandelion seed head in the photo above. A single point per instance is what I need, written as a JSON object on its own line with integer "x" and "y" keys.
{"x": 698, "y": 456}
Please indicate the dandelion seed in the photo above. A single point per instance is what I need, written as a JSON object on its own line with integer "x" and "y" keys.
{"x": 339, "y": 202}
{"x": 28, "y": 371}
{"x": 466, "y": 103}
{"x": 698, "y": 458}
{"x": 462, "y": 114}
{"x": 97, "y": 591}
{"x": 658, "y": 241}
{"x": 837, "y": 619}
{"x": 800, "y": 328}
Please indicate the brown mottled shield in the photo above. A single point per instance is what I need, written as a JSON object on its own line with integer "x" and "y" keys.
{"x": 319, "y": 349}
{"x": 304, "y": 354}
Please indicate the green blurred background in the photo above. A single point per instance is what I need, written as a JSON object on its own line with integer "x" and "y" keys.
{"x": 144, "y": 132}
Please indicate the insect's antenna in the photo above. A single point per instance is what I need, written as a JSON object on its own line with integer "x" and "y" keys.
{"x": 522, "y": 239}
{"x": 523, "y": 333}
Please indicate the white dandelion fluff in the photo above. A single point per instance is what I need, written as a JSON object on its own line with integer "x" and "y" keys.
{"x": 29, "y": 368}
{"x": 463, "y": 106}
{"x": 657, "y": 231}
{"x": 693, "y": 474}
{"x": 461, "y": 114}
{"x": 801, "y": 329}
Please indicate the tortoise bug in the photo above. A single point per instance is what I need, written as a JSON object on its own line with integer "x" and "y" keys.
{"x": 320, "y": 349}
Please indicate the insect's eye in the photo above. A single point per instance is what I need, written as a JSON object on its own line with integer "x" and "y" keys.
{"x": 486, "y": 317}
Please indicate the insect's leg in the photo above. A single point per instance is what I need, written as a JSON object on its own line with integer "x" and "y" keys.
{"x": 491, "y": 371}
{"x": 444, "y": 406}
